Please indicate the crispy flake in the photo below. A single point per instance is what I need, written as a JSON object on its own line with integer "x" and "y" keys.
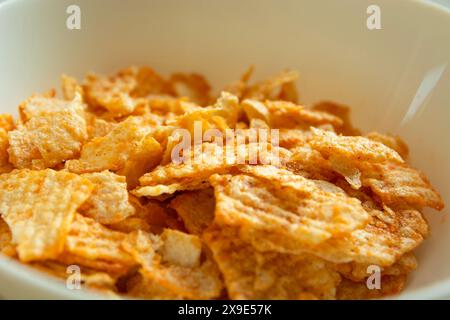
{"x": 171, "y": 279}
{"x": 196, "y": 208}
{"x": 52, "y": 134}
{"x": 250, "y": 274}
{"x": 112, "y": 151}
{"x": 95, "y": 246}
{"x": 108, "y": 202}
{"x": 281, "y": 211}
{"x": 39, "y": 207}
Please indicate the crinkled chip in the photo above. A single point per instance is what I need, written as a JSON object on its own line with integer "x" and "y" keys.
{"x": 148, "y": 155}
{"x": 196, "y": 208}
{"x": 393, "y": 142}
{"x": 341, "y": 111}
{"x": 192, "y": 85}
{"x": 5, "y": 165}
{"x": 281, "y": 211}
{"x": 112, "y": 151}
{"x": 6, "y": 245}
{"x": 222, "y": 115}
{"x": 49, "y": 136}
{"x": 273, "y": 88}
{"x": 108, "y": 202}
{"x": 250, "y": 274}
{"x": 399, "y": 185}
{"x": 181, "y": 248}
{"x": 89, "y": 278}
{"x": 39, "y": 207}
{"x": 390, "y": 285}
{"x": 357, "y": 149}
{"x": 384, "y": 240}
{"x": 93, "y": 245}
{"x": 172, "y": 279}
{"x": 193, "y": 171}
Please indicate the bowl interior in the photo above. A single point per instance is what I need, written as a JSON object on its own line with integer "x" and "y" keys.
{"x": 396, "y": 79}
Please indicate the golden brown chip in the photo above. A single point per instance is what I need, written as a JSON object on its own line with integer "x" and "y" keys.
{"x": 7, "y": 122}
{"x": 285, "y": 212}
{"x": 92, "y": 245}
{"x": 272, "y": 88}
{"x": 108, "y": 202}
{"x": 112, "y": 93}
{"x": 70, "y": 87}
{"x": 222, "y": 115}
{"x": 171, "y": 279}
{"x": 361, "y": 271}
{"x": 152, "y": 217}
{"x": 390, "y": 285}
{"x": 97, "y": 127}
{"x": 385, "y": 239}
{"x": 6, "y": 243}
{"x": 112, "y": 151}
{"x": 196, "y": 208}
{"x": 39, "y": 206}
{"x": 181, "y": 248}
{"x": 358, "y": 149}
{"x": 5, "y": 166}
{"x": 89, "y": 278}
{"x": 249, "y": 274}
{"x": 283, "y": 114}
{"x": 341, "y": 111}
{"x": 400, "y": 185}
{"x": 52, "y": 134}
{"x": 193, "y": 85}
{"x": 395, "y": 143}
{"x": 194, "y": 171}
{"x": 148, "y": 155}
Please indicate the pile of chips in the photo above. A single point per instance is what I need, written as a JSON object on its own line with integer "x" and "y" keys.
{"x": 89, "y": 179}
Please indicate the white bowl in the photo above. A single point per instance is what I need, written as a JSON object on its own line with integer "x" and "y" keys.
{"x": 396, "y": 78}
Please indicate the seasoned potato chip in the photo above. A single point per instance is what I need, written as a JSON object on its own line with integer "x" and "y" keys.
{"x": 49, "y": 136}
{"x": 92, "y": 245}
{"x": 384, "y": 240}
{"x": 272, "y": 88}
{"x": 193, "y": 85}
{"x": 112, "y": 151}
{"x": 395, "y": 143}
{"x": 172, "y": 280}
{"x": 400, "y": 185}
{"x": 360, "y": 271}
{"x": 70, "y": 87}
{"x": 7, "y": 122}
{"x": 97, "y": 127}
{"x": 39, "y": 206}
{"x": 282, "y": 211}
{"x": 147, "y": 156}
{"x": 152, "y": 216}
{"x": 390, "y": 285}
{"x": 6, "y": 245}
{"x": 108, "y": 202}
{"x": 353, "y": 148}
{"x": 283, "y": 114}
{"x": 341, "y": 111}
{"x": 195, "y": 171}
{"x": 181, "y": 248}
{"x": 196, "y": 208}
{"x": 120, "y": 94}
{"x": 222, "y": 115}
{"x": 5, "y": 166}
{"x": 249, "y": 274}
{"x": 89, "y": 278}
